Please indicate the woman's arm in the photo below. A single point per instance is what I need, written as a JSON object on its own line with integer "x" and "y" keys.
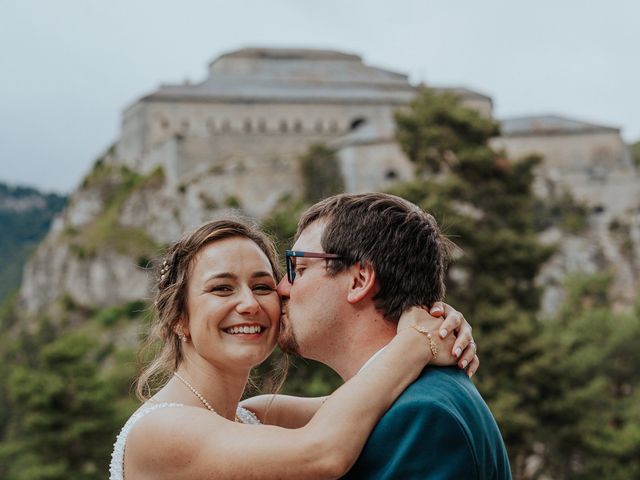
{"x": 192, "y": 443}
{"x": 295, "y": 412}
{"x": 284, "y": 410}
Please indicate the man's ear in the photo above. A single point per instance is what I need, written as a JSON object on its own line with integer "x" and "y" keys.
{"x": 363, "y": 281}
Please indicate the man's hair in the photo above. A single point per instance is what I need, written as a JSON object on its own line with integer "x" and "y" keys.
{"x": 401, "y": 241}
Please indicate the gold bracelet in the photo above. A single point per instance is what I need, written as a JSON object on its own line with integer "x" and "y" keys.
{"x": 432, "y": 344}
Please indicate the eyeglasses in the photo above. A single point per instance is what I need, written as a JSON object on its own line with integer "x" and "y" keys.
{"x": 290, "y": 256}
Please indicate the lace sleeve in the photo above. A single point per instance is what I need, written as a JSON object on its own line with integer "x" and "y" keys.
{"x": 247, "y": 416}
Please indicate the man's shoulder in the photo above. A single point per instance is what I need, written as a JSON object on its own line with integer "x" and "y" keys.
{"x": 440, "y": 416}
{"x": 440, "y": 385}
{"x": 448, "y": 394}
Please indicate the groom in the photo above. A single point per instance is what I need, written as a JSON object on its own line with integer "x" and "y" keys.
{"x": 365, "y": 263}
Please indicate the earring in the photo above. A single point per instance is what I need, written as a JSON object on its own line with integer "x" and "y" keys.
{"x": 182, "y": 336}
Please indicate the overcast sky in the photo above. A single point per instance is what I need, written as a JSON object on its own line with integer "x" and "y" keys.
{"x": 69, "y": 67}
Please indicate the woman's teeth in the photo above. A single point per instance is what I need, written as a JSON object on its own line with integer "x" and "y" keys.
{"x": 244, "y": 329}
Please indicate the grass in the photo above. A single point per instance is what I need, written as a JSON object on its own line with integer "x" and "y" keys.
{"x": 105, "y": 232}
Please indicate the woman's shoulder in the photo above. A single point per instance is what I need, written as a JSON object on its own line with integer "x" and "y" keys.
{"x": 165, "y": 438}
{"x": 117, "y": 456}
{"x": 153, "y": 421}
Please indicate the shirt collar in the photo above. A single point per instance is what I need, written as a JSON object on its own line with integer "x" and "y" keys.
{"x": 372, "y": 358}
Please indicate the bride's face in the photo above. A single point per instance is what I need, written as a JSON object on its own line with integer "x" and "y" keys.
{"x": 233, "y": 308}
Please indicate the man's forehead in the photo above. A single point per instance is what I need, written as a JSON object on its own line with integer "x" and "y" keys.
{"x": 310, "y": 238}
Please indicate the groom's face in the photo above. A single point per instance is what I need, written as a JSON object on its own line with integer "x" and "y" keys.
{"x": 310, "y": 304}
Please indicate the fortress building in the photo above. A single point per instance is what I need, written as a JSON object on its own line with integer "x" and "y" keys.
{"x": 591, "y": 161}
{"x": 244, "y": 127}
{"x": 240, "y": 132}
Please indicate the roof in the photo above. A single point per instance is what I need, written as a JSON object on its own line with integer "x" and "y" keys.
{"x": 282, "y": 53}
{"x": 292, "y": 75}
{"x": 549, "y": 125}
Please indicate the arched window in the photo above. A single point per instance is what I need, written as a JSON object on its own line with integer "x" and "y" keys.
{"x": 357, "y": 122}
{"x": 297, "y": 126}
{"x": 226, "y": 125}
{"x": 319, "y": 126}
{"x": 283, "y": 126}
{"x": 262, "y": 125}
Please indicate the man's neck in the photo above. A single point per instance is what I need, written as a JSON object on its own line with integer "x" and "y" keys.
{"x": 357, "y": 345}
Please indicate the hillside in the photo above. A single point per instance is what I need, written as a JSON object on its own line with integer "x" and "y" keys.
{"x": 25, "y": 218}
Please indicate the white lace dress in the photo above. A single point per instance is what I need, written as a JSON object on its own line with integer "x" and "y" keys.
{"x": 116, "y": 469}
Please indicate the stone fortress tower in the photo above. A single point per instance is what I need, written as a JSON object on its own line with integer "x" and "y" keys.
{"x": 258, "y": 110}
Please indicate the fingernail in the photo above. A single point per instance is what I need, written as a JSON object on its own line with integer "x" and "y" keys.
{"x": 443, "y": 333}
{"x": 471, "y": 374}
{"x": 457, "y": 352}
{"x": 436, "y": 310}
{"x": 464, "y": 364}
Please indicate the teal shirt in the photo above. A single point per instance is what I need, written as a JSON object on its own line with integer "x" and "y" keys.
{"x": 439, "y": 428}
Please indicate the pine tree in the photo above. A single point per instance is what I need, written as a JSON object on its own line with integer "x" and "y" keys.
{"x": 485, "y": 205}
{"x": 589, "y": 378}
{"x": 64, "y": 415}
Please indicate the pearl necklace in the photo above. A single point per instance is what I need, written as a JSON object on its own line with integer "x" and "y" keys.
{"x": 196, "y": 393}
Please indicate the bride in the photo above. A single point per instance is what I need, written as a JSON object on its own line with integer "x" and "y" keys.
{"x": 218, "y": 315}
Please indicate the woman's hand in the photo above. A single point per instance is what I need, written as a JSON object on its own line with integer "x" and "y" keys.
{"x": 419, "y": 319}
{"x": 465, "y": 349}
{"x": 444, "y": 320}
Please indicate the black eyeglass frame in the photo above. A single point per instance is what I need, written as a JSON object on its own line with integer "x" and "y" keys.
{"x": 290, "y": 255}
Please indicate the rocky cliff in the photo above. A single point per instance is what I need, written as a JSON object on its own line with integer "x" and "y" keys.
{"x": 99, "y": 249}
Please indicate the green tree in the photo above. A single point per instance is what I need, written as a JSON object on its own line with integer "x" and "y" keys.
{"x": 485, "y": 205}
{"x": 435, "y": 128}
{"x": 281, "y": 224}
{"x": 635, "y": 153}
{"x": 588, "y": 374}
{"x": 64, "y": 414}
{"x": 321, "y": 174}
{"x": 22, "y": 229}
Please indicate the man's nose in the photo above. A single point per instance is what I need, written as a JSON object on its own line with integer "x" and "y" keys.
{"x": 284, "y": 288}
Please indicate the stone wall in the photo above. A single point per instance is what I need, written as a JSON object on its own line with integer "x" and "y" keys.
{"x": 595, "y": 167}
{"x": 148, "y": 124}
{"x": 591, "y": 152}
{"x": 368, "y": 167}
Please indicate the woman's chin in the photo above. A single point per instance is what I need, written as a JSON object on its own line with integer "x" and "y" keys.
{"x": 251, "y": 359}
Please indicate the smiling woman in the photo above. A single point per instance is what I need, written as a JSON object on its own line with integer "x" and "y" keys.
{"x": 232, "y": 309}
{"x": 218, "y": 315}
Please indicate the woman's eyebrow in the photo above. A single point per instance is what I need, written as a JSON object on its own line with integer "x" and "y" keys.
{"x": 261, "y": 274}
{"x": 230, "y": 275}
{"x": 233, "y": 276}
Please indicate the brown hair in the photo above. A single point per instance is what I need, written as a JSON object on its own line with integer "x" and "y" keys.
{"x": 171, "y": 297}
{"x": 401, "y": 241}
